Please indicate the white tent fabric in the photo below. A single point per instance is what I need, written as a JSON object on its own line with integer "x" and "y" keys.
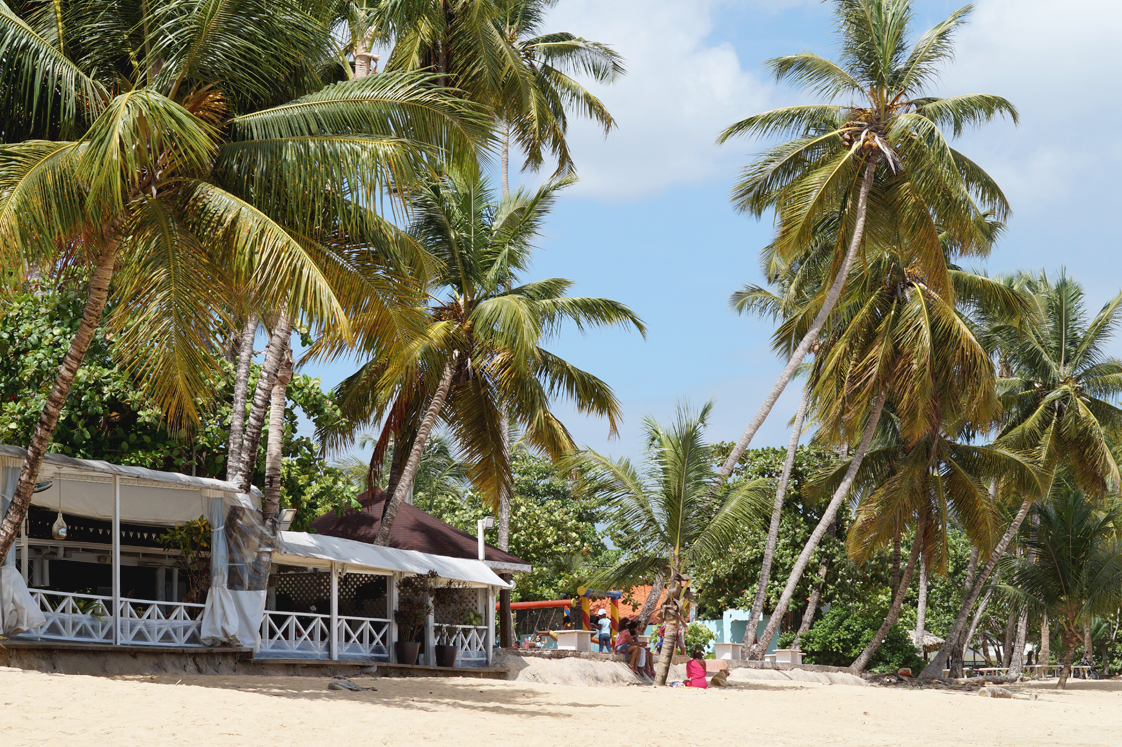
{"x": 84, "y": 487}
{"x": 233, "y": 618}
{"x": 297, "y": 546}
{"x": 18, "y": 611}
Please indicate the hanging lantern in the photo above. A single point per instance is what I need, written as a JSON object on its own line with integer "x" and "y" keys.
{"x": 59, "y": 529}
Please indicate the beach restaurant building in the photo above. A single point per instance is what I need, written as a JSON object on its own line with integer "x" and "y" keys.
{"x": 89, "y": 568}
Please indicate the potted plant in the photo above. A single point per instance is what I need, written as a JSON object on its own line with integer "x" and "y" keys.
{"x": 414, "y": 605}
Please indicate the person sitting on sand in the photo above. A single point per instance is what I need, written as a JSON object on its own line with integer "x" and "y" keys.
{"x": 627, "y": 643}
{"x": 695, "y": 670}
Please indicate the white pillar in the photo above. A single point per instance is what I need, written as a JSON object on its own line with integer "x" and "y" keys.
{"x": 391, "y": 607}
{"x": 430, "y": 636}
{"x": 175, "y": 584}
{"x": 161, "y": 584}
{"x": 116, "y": 567}
{"x": 489, "y": 621}
{"x": 334, "y": 611}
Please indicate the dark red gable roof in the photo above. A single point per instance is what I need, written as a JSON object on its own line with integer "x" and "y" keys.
{"x": 413, "y": 530}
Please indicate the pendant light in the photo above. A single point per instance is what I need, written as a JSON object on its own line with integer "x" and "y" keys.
{"x": 59, "y": 529}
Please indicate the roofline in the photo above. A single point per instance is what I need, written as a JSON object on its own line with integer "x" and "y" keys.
{"x": 495, "y": 565}
{"x": 170, "y": 479}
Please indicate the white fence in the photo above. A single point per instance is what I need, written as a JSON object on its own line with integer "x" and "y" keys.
{"x": 472, "y": 642}
{"x": 85, "y": 618}
{"x": 148, "y": 623}
{"x": 364, "y": 637}
{"x": 296, "y": 635}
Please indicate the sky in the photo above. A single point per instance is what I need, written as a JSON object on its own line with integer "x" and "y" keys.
{"x": 650, "y": 223}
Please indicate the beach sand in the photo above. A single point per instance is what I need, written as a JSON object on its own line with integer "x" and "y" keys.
{"x": 56, "y": 709}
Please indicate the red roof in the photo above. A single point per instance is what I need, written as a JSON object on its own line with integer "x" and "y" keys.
{"x": 413, "y": 530}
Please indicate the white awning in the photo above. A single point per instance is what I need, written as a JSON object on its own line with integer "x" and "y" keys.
{"x": 84, "y": 487}
{"x": 297, "y": 548}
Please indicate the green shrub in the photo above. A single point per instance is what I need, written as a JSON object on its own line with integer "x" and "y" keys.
{"x": 839, "y": 637}
{"x": 698, "y": 637}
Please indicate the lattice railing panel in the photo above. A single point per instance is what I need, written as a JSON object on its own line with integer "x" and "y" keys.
{"x": 83, "y": 618}
{"x": 149, "y": 623}
{"x": 364, "y": 637}
{"x": 295, "y": 634}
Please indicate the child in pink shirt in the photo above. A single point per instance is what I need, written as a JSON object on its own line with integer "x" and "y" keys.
{"x": 695, "y": 670}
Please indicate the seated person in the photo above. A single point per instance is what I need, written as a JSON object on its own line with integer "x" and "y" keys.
{"x": 627, "y": 643}
{"x": 695, "y": 670}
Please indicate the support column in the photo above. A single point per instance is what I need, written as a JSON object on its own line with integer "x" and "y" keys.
{"x": 430, "y": 636}
{"x": 116, "y": 560}
{"x": 161, "y": 584}
{"x": 391, "y": 607}
{"x": 489, "y": 621}
{"x": 175, "y": 584}
{"x": 334, "y": 611}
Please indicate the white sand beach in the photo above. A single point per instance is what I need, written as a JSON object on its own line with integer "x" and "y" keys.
{"x": 55, "y": 709}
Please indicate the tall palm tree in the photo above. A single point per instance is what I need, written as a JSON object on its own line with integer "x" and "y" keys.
{"x": 484, "y": 345}
{"x": 193, "y": 145}
{"x": 1058, "y": 401}
{"x": 667, "y": 505}
{"x": 1077, "y": 571}
{"x": 881, "y": 160}
{"x": 898, "y": 340}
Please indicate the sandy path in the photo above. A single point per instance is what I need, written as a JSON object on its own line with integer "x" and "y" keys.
{"x": 50, "y": 709}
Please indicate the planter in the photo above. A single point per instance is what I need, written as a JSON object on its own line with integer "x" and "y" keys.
{"x": 406, "y": 652}
{"x": 446, "y": 655}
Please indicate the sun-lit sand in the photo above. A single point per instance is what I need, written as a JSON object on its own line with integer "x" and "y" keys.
{"x": 54, "y": 709}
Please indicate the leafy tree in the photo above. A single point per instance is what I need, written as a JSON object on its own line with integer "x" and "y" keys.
{"x": 188, "y": 151}
{"x": 879, "y": 164}
{"x": 1077, "y": 570}
{"x": 842, "y": 633}
{"x": 107, "y": 417}
{"x": 668, "y": 510}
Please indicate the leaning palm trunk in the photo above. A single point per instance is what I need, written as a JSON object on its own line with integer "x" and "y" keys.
{"x": 651, "y": 601}
{"x": 1017, "y": 663}
{"x": 862, "y": 661}
{"x": 275, "y": 353}
{"x": 935, "y": 667}
{"x": 921, "y": 605}
{"x": 828, "y": 516}
{"x": 773, "y": 527}
{"x": 96, "y": 299}
{"x": 960, "y": 653}
{"x": 812, "y": 603}
{"x": 393, "y": 504}
{"x": 241, "y": 392}
{"x": 666, "y": 656}
{"x": 812, "y": 333}
{"x": 270, "y": 505}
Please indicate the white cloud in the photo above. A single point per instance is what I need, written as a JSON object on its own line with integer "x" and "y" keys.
{"x": 679, "y": 93}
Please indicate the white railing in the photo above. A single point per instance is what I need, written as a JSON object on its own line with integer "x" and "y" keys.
{"x": 295, "y": 634}
{"x": 364, "y": 637}
{"x": 148, "y": 623}
{"x": 83, "y": 618}
{"x": 472, "y": 642}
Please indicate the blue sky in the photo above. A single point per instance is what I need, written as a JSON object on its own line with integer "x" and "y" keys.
{"x": 650, "y": 224}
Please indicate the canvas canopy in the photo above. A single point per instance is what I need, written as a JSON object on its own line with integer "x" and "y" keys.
{"x": 84, "y": 487}
{"x": 297, "y": 548}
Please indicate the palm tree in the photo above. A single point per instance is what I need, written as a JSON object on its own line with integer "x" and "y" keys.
{"x": 667, "y": 506}
{"x": 881, "y": 162}
{"x": 483, "y": 347}
{"x": 1077, "y": 573}
{"x": 1058, "y": 405}
{"x": 439, "y": 474}
{"x": 536, "y": 116}
{"x": 897, "y": 340}
{"x": 184, "y": 139}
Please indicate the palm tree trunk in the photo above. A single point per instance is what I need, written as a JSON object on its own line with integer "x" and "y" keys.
{"x": 275, "y": 352}
{"x": 862, "y": 661}
{"x": 505, "y": 173}
{"x": 921, "y": 604}
{"x": 954, "y": 638}
{"x": 828, "y": 516}
{"x": 671, "y": 612}
{"x": 1088, "y": 642}
{"x": 960, "y": 652}
{"x": 1045, "y": 640}
{"x": 270, "y": 505}
{"x": 363, "y": 58}
{"x": 506, "y": 619}
{"x": 812, "y": 333}
{"x": 1071, "y": 640}
{"x": 1007, "y": 641}
{"x": 651, "y": 602}
{"x": 812, "y": 603}
{"x": 773, "y": 527}
{"x": 894, "y": 581}
{"x": 972, "y": 565}
{"x": 241, "y": 391}
{"x": 1017, "y": 663}
{"x": 97, "y": 297}
{"x": 389, "y": 515}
